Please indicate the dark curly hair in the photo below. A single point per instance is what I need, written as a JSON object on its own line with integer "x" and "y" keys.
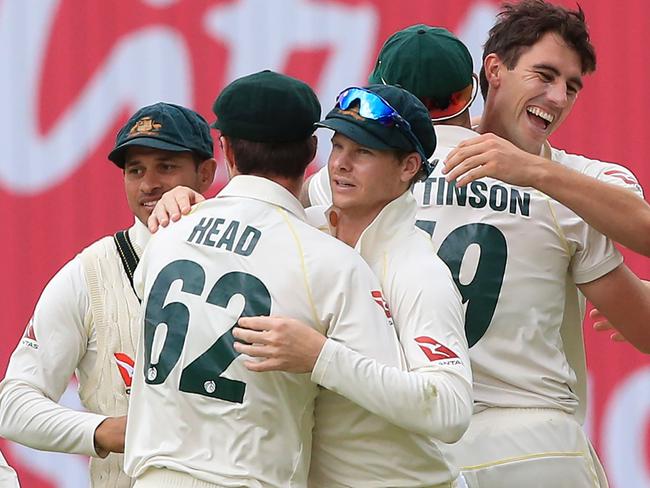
{"x": 520, "y": 25}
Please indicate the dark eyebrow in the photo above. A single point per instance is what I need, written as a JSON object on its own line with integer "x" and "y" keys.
{"x": 575, "y": 80}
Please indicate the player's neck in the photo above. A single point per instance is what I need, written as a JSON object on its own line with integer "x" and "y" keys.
{"x": 293, "y": 185}
{"x": 489, "y": 122}
{"x": 351, "y": 224}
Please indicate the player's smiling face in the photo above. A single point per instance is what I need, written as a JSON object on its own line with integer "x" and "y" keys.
{"x": 148, "y": 173}
{"x": 363, "y": 179}
{"x": 533, "y": 99}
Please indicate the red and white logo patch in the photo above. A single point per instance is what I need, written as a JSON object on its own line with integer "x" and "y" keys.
{"x": 621, "y": 175}
{"x": 125, "y": 366}
{"x": 436, "y": 352}
{"x": 29, "y": 331}
{"x": 29, "y": 337}
{"x": 379, "y": 300}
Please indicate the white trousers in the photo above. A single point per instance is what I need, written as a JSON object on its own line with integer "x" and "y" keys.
{"x": 166, "y": 478}
{"x": 525, "y": 447}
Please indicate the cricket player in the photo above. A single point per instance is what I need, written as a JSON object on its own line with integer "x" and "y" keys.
{"x": 517, "y": 256}
{"x": 86, "y": 320}
{"x": 198, "y": 417}
{"x": 382, "y": 137}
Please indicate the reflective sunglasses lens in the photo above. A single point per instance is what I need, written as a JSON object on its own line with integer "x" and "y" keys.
{"x": 373, "y": 107}
{"x": 370, "y": 105}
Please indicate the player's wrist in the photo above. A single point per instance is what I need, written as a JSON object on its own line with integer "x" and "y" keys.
{"x": 316, "y": 346}
{"x": 98, "y": 439}
{"x": 109, "y": 436}
{"x": 541, "y": 173}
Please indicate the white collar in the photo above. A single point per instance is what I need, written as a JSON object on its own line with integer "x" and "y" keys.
{"x": 139, "y": 235}
{"x": 394, "y": 218}
{"x": 452, "y": 135}
{"x": 265, "y": 190}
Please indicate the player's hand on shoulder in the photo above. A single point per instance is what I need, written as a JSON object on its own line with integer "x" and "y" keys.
{"x": 491, "y": 155}
{"x": 109, "y": 436}
{"x": 601, "y": 324}
{"x": 278, "y": 344}
{"x": 172, "y": 205}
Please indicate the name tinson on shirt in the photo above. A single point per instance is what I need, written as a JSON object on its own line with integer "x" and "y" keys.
{"x": 223, "y": 234}
{"x": 477, "y": 194}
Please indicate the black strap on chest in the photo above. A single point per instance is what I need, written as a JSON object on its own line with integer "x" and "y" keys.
{"x": 127, "y": 254}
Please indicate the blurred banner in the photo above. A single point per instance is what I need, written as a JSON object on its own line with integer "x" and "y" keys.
{"x": 73, "y": 71}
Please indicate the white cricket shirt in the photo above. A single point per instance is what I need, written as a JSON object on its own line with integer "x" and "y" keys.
{"x": 414, "y": 411}
{"x": 194, "y": 407}
{"x": 516, "y": 256}
{"x": 59, "y": 340}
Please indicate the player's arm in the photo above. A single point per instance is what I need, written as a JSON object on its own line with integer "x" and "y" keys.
{"x": 40, "y": 369}
{"x": 411, "y": 400}
{"x": 625, "y": 301}
{"x": 610, "y": 208}
{"x": 428, "y": 311}
{"x": 172, "y": 205}
{"x": 434, "y": 399}
{"x": 602, "y": 323}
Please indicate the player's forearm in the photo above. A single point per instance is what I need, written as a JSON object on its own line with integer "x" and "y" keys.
{"x": 31, "y": 419}
{"x": 433, "y": 403}
{"x": 614, "y": 211}
{"x": 625, "y": 301}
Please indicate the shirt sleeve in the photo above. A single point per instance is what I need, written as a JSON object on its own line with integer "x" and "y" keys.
{"x": 320, "y": 192}
{"x": 350, "y": 313}
{"x": 40, "y": 368}
{"x": 435, "y": 396}
{"x": 606, "y": 172}
{"x": 593, "y": 255}
{"x": 616, "y": 174}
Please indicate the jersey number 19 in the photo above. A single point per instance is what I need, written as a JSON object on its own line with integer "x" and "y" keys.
{"x": 482, "y": 293}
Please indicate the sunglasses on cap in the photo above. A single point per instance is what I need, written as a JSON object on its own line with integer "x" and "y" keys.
{"x": 374, "y": 107}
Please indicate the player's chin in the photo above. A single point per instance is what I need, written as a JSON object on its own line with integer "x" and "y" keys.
{"x": 343, "y": 201}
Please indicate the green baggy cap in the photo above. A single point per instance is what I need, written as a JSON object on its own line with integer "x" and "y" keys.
{"x": 374, "y": 134}
{"x": 167, "y": 127}
{"x": 267, "y": 107}
{"x": 427, "y": 61}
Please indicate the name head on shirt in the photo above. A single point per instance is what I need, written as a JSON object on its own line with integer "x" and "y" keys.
{"x": 218, "y": 233}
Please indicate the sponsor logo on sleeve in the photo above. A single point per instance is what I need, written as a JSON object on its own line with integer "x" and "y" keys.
{"x": 29, "y": 337}
{"x": 437, "y": 352}
{"x": 125, "y": 366}
{"x": 622, "y": 175}
{"x": 379, "y": 300}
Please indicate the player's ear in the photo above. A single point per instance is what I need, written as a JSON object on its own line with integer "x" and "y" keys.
{"x": 207, "y": 170}
{"x": 493, "y": 67}
{"x": 228, "y": 156}
{"x": 410, "y": 167}
{"x": 315, "y": 147}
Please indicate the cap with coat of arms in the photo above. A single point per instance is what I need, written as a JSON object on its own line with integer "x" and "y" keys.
{"x": 377, "y": 134}
{"x": 167, "y": 127}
